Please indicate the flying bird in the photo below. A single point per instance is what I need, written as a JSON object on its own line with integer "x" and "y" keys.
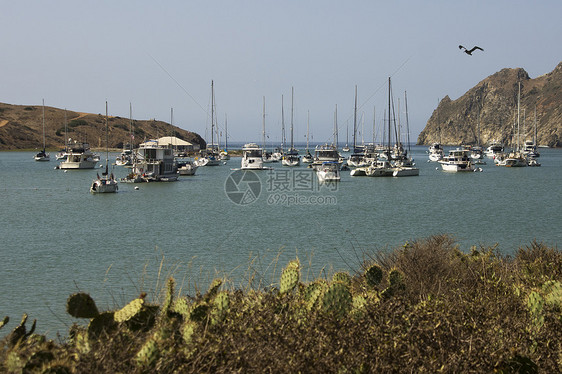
{"x": 469, "y": 51}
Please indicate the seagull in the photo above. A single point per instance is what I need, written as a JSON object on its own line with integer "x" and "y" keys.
{"x": 469, "y": 51}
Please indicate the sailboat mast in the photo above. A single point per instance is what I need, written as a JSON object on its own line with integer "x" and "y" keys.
{"x": 355, "y": 120}
{"x": 388, "y": 146}
{"x": 336, "y": 125}
{"x": 374, "y": 128}
{"x": 65, "y": 132}
{"x": 263, "y": 125}
{"x": 282, "y": 126}
{"x": 106, "y": 140}
{"x": 535, "y": 136}
{"x": 212, "y": 113}
{"x": 307, "y": 128}
{"x": 407, "y": 123}
{"x": 518, "y": 100}
{"x": 225, "y": 134}
{"x": 43, "y": 125}
{"x": 292, "y": 99}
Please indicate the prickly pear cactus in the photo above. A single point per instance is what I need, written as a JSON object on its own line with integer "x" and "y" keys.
{"x": 104, "y": 323}
{"x": 148, "y": 354}
{"x": 170, "y": 287}
{"x": 4, "y": 321}
{"x": 213, "y": 289}
{"x": 535, "y": 304}
{"x": 313, "y": 293}
{"x": 187, "y": 331}
{"x": 20, "y": 333}
{"x": 182, "y": 307}
{"x": 129, "y": 311}
{"x": 199, "y": 312}
{"x": 81, "y": 305}
{"x": 552, "y": 291}
{"x": 373, "y": 275}
{"x": 290, "y": 277}
{"x": 342, "y": 277}
{"x": 220, "y": 307}
{"x": 337, "y": 300}
{"x": 397, "y": 279}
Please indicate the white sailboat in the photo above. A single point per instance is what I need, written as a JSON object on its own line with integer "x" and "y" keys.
{"x": 291, "y": 157}
{"x": 267, "y": 157}
{"x": 106, "y": 183}
{"x": 436, "y": 149}
{"x": 405, "y": 165}
{"x": 224, "y": 156}
{"x": 307, "y": 158}
{"x": 516, "y": 158}
{"x": 210, "y": 156}
{"x": 42, "y": 155}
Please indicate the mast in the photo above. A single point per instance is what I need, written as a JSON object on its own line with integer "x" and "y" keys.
{"x": 282, "y": 126}
{"x": 263, "y": 125}
{"x": 535, "y": 136}
{"x": 292, "y": 97}
{"x": 212, "y": 113}
{"x": 336, "y": 125}
{"x": 355, "y": 120}
{"x": 518, "y": 100}
{"x": 407, "y": 124}
{"x": 336, "y": 135}
{"x": 374, "y": 128}
{"x": 65, "y": 132}
{"x": 307, "y": 128}
{"x": 106, "y": 141}
{"x": 398, "y": 136}
{"x": 388, "y": 146}
{"x": 225, "y": 134}
{"x": 43, "y": 126}
{"x": 131, "y": 135}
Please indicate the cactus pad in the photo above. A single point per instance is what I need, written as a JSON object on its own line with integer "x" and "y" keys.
{"x": 81, "y": 305}
{"x": 290, "y": 277}
{"x": 337, "y": 300}
{"x": 342, "y": 277}
{"x": 373, "y": 275}
{"x": 129, "y": 311}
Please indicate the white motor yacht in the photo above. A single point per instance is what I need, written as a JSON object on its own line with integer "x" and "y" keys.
{"x": 252, "y": 157}
{"x": 457, "y": 160}
{"x": 79, "y": 156}
{"x": 329, "y": 171}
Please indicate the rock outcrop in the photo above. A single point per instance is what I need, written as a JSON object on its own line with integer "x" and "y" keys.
{"x": 492, "y": 104}
{"x": 21, "y": 128}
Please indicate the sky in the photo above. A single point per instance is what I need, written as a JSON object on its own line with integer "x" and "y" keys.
{"x": 163, "y": 55}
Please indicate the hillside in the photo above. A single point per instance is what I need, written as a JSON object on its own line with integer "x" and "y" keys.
{"x": 21, "y": 128}
{"x": 456, "y": 122}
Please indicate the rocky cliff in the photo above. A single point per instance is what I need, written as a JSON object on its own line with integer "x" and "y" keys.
{"x": 492, "y": 103}
{"x": 21, "y": 127}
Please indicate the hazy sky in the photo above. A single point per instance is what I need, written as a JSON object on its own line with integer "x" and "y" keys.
{"x": 158, "y": 55}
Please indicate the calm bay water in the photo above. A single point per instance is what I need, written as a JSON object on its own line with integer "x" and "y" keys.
{"x": 57, "y": 238}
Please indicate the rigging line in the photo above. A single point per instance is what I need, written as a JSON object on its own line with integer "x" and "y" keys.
{"x": 179, "y": 85}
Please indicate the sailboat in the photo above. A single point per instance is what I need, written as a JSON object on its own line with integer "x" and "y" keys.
{"x": 106, "y": 183}
{"x": 382, "y": 167}
{"x": 42, "y": 155}
{"x": 307, "y": 158}
{"x": 516, "y": 158}
{"x": 405, "y": 165}
{"x": 267, "y": 157}
{"x": 346, "y": 148}
{"x": 291, "y": 158}
{"x": 224, "y": 156}
{"x": 436, "y": 149}
{"x": 210, "y": 156}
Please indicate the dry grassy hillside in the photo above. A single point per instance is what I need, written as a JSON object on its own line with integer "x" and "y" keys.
{"x": 21, "y": 128}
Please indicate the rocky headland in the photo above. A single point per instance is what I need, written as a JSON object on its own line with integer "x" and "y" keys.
{"x": 488, "y": 111}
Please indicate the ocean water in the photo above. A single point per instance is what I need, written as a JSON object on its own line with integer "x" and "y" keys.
{"x": 57, "y": 238}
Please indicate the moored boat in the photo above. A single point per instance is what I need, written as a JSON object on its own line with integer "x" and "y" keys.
{"x": 457, "y": 160}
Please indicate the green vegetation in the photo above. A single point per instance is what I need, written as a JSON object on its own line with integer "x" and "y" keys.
{"x": 77, "y": 122}
{"x": 424, "y": 307}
